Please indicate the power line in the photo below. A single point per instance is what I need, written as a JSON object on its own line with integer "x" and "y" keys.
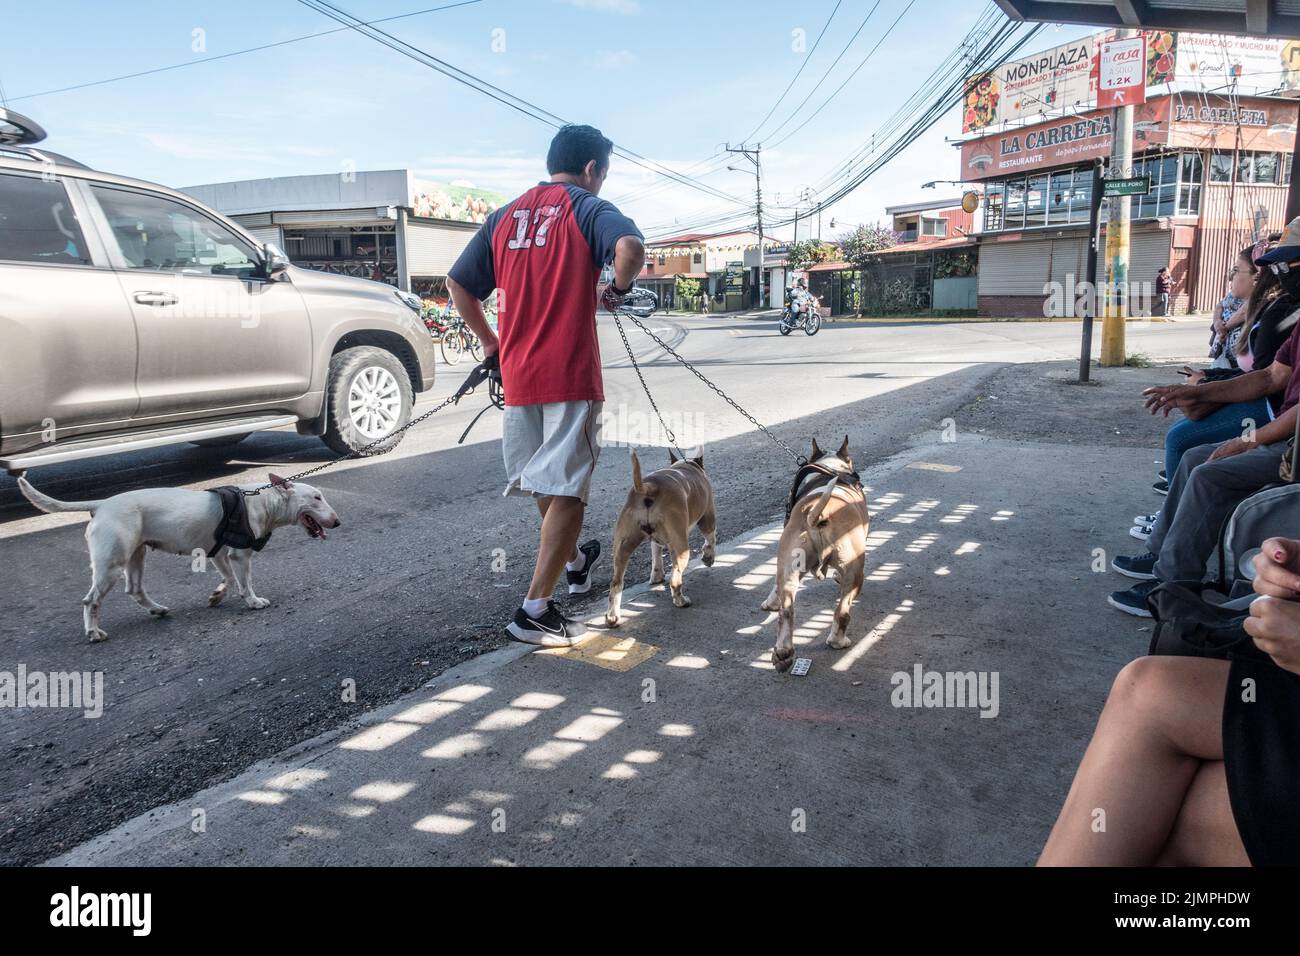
{"x": 226, "y": 56}
{"x": 798, "y": 74}
{"x": 504, "y": 97}
{"x": 834, "y": 63}
{"x": 882, "y": 39}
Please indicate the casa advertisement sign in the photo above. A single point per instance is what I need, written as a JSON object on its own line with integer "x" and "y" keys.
{"x": 1122, "y": 72}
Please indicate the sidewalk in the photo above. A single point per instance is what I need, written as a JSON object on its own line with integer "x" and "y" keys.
{"x": 672, "y": 740}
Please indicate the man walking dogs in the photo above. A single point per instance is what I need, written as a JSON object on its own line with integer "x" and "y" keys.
{"x": 545, "y": 251}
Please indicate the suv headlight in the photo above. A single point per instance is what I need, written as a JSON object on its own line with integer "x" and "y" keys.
{"x": 409, "y": 300}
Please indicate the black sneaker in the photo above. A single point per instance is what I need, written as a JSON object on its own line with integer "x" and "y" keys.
{"x": 580, "y": 581}
{"x": 1163, "y": 476}
{"x": 551, "y": 629}
{"x": 1134, "y": 600}
{"x": 1161, "y": 487}
{"x": 1142, "y": 566}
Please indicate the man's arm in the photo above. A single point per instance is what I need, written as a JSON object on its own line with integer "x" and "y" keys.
{"x": 471, "y": 310}
{"x": 629, "y": 260}
{"x": 1242, "y": 388}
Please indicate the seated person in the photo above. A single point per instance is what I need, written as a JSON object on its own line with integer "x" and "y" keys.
{"x": 1212, "y": 480}
{"x": 1185, "y": 768}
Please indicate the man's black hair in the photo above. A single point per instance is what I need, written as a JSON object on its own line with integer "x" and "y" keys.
{"x": 574, "y": 147}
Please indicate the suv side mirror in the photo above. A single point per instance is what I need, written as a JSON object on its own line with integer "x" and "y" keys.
{"x": 274, "y": 262}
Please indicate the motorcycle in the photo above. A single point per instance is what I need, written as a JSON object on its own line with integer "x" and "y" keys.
{"x": 809, "y": 319}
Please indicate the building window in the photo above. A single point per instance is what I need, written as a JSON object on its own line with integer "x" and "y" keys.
{"x": 1059, "y": 196}
{"x": 697, "y": 258}
{"x": 1191, "y": 170}
{"x": 1036, "y": 201}
{"x": 934, "y": 227}
{"x": 1258, "y": 168}
{"x": 1220, "y": 167}
{"x": 993, "y": 207}
{"x": 1159, "y": 202}
{"x": 1015, "y": 204}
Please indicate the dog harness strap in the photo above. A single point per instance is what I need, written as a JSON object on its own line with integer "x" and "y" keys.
{"x": 813, "y": 477}
{"x": 233, "y": 530}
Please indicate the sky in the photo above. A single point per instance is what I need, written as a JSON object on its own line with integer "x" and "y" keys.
{"x": 671, "y": 80}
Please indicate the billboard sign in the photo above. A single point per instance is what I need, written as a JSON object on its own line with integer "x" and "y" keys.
{"x": 1122, "y": 72}
{"x": 1208, "y": 61}
{"x": 1056, "y": 79}
{"x": 455, "y": 202}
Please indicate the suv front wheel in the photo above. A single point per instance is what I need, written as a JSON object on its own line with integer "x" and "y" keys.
{"x": 368, "y": 397}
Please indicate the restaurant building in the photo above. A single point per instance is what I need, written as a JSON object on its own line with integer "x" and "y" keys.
{"x": 1219, "y": 168}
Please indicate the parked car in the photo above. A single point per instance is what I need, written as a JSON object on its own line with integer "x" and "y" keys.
{"x": 133, "y": 316}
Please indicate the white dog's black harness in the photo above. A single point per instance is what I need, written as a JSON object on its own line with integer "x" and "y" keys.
{"x": 814, "y": 477}
{"x": 234, "y": 531}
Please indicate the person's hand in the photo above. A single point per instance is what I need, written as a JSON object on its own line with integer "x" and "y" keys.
{"x": 610, "y": 299}
{"x": 1233, "y": 446}
{"x": 1217, "y": 326}
{"x": 1163, "y": 398}
{"x": 1194, "y": 375}
{"x": 1274, "y": 625}
{"x": 491, "y": 346}
{"x": 1277, "y": 569}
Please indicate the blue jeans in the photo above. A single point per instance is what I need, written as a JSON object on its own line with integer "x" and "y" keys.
{"x": 1227, "y": 422}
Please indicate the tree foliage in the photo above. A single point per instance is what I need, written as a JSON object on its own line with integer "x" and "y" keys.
{"x": 863, "y": 242}
{"x": 800, "y": 255}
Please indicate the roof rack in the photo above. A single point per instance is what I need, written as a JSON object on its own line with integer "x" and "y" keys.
{"x": 18, "y": 135}
{"x": 39, "y": 156}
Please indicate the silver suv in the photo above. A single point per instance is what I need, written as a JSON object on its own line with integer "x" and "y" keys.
{"x": 132, "y": 316}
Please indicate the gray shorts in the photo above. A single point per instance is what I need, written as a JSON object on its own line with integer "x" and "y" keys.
{"x": 551, "y": 449}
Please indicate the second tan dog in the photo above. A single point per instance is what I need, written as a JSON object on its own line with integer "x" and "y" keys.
{"x": 826, "y": 529}
{"x": 663, "y": 507}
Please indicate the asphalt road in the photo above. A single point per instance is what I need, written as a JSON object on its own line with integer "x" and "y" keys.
{"x": 430, "y": 560}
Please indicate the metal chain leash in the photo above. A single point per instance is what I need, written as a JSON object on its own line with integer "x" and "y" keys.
{"x": 495, "y": 395}
{"x": 798, "y": 459}
{"x": 646, "y": 388}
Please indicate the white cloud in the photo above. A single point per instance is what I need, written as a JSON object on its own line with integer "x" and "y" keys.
{"x": 626, "y": 8}
{"x": 614, "y": 59}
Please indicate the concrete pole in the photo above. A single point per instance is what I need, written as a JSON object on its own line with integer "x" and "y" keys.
{"x": 1117, "y": 236}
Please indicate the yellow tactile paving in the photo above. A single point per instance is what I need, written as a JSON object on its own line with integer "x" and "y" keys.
{"x": 607, "y": 651}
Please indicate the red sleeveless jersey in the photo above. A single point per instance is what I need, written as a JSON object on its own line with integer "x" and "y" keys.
{"x": 544, "y": 251}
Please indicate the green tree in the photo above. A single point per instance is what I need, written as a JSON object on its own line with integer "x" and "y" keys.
{"x": 860, "y": 246}
{"x": 800, "y": 255}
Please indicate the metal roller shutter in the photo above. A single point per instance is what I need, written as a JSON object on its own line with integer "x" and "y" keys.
{"x": 1147, "y": 252}
{"x": 431, "y": 249}
{"x": 265, "y": 234}
{"x": 1014, "y": 268}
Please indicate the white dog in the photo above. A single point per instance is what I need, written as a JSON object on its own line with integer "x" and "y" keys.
{"x": 187, "y": 523}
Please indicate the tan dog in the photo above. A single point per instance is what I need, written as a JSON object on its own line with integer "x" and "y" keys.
{"x": 826, "y": 529}
{"x": 663, "y": 507}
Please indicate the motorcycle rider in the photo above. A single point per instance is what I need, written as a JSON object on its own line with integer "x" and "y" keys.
{"x": 802, "y": 301}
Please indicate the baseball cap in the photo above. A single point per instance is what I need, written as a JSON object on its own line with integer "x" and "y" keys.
{"x": 1287, "y": 248}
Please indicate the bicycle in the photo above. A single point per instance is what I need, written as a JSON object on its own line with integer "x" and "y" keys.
{"x": 457, "y": 339}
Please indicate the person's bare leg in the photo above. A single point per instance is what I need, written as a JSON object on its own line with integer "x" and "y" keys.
{"x": 1205, "y": 833}
{"x": 1163, "y": 718}
{"x": 561, "y": 525}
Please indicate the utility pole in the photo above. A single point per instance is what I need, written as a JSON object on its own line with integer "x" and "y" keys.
{"x": 1117, "y": 235}
{"x": 753, "y": 156}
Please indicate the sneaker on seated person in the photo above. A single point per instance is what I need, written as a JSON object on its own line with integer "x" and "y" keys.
{"x": 1141, "y": 566}
{"x": 1134, "y": 600}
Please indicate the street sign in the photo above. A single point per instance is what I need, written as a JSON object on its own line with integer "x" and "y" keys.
{"x": 1133, "y": 186}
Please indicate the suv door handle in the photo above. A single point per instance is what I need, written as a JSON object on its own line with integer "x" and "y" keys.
{"x": 156, "y": 298}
